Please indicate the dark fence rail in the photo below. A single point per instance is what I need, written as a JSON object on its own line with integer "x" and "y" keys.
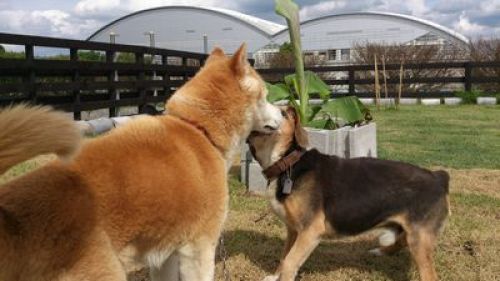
{"x": 463, "y": 76}
{"x": 72, "y": 84}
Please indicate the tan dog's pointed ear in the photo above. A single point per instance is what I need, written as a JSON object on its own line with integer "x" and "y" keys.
{"x": 239, "y": 61}
{"x": 216, "y": 53}
{"x": 300, "y": 134}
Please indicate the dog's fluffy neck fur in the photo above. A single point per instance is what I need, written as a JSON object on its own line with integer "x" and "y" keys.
{"x": 221, "y": 132}
{"x": 209, "y": 109}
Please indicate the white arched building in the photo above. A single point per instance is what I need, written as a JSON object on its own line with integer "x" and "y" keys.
{"x": 199, "y": 29}
{"x": 184, "y": 27}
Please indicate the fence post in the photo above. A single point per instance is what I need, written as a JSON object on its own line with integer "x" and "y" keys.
{"x": 139, "y": 59}
{"x": 166, "y": 77}
{"x": 352, "y": 89}
{"x": 77, "y": 114}
{"x": 113, "y": 111}
{"x": 31, "y": 78}
{"x": 468, "y": 77}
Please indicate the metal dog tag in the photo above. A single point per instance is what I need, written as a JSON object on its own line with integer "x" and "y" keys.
{"x": 287, "y": 186}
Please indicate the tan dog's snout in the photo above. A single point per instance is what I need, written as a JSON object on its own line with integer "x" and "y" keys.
{"x": 270, "y": 119}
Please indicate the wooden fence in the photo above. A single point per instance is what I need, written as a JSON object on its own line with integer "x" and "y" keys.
{"x": 150, "y": 75}
{"x": 357, "y": 78}
{"x": 72, "y": 84}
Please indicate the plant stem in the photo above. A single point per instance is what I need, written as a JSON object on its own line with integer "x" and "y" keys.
{"x": 290, "y": 11}
{"x": 299, "y": 67}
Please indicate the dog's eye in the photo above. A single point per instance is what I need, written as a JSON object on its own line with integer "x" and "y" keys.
{"x": 283, "y": 113}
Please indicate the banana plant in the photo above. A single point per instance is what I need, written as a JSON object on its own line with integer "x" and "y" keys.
{"x": 300, "y": 85}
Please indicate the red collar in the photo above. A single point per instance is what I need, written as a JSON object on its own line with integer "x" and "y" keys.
{"x": 203, "y": 130}
{"x": 283, "y": 164}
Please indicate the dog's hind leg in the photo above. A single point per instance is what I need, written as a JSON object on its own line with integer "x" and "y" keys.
{"x": 197, "y": 260}
{"x": 422, "y": 242}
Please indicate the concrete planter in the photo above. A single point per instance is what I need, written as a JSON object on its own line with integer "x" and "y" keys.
{"x": 486, "y": 100}
{"x": 430, "y": 101}
{"x": 362, "y": 141}
{"x": 346, "y": 142}
{"x": 452, "y": 101}
{"x": 332, "y": 142}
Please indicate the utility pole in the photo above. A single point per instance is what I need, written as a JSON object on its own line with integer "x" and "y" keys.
{"x": 151, "y": 35}
{"x": 112, "y": 37}
{"x": 205, "y": 43}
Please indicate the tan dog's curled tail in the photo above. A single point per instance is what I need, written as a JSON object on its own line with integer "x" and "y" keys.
{"x": 28, "y": 131}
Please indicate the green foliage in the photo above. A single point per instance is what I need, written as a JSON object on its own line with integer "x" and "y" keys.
{"x": 125, "y": 58}
{"x": 286, "y": 47}
{"x": 469, "y": 97}
{"x": 11, "y": 55}
{"x": 302, "y": 84}
{"x": 91, "y": 56}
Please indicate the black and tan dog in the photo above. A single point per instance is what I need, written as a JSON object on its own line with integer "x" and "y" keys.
{"x": 318, "y": 195}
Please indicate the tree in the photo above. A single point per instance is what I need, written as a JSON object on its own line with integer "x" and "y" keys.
{"x": 397, "y": 54}
{"x": 486, "y": 50}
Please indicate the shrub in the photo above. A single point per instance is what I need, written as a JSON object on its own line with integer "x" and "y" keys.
{"x": 469, "y": 97}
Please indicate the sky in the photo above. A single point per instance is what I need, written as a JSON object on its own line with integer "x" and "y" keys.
{"x": 79, "y": 18}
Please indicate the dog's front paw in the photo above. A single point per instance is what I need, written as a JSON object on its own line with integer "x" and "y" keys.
{"x": 271, "y": 278}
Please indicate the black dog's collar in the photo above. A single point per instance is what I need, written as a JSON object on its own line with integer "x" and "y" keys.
{"x": 283, "y": 164}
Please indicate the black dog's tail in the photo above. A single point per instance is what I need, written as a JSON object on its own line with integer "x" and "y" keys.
{"x": 444, "y": 179}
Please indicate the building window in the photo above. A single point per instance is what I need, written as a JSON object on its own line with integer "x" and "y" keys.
{"x": 227, "y": 29}
{"x": 332, "y": 54}
{"x": 190, "y": 31}
{"x": 345, "y": 54}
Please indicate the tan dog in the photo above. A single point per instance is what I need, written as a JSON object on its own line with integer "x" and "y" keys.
{"x": 318, "y": 195}
{"x": 152, "y": 188}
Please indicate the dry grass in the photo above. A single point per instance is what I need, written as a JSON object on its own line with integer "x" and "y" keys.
{"x": 468, "y": 249}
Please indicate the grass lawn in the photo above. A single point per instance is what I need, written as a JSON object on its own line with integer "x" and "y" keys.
{"x": 464, "y": 140}
{"x": 465, "y": 136}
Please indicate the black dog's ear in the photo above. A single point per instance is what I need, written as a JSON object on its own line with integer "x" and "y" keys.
{"x": 8, "y": 222}
{"x": 300, "y": 134}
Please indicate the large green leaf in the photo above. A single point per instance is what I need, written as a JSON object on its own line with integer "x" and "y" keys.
{"x": 326, "y": 124}
{"x": 277, "y": 92}
{"x": 350, "y": 109}
{"x": 311, "y": 112}
{"x": 314, "y": 84}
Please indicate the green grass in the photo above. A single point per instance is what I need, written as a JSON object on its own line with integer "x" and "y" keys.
{"x": 466, "y": 136}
